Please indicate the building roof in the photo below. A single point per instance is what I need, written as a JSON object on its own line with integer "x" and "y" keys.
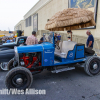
{"x": 20, "y": 22}
{"x": 36, "y": 7}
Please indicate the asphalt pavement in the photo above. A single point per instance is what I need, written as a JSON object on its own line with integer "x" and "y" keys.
{"x": 70, "y": 85}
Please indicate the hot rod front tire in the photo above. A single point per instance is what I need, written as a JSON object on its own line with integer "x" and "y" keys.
{"x": 92, "y": 66}
{"x": 19, "y": 78}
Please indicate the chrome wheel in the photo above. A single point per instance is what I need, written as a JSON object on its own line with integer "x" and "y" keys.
{"x": 19, "y": 80}
{"x": 4, "y": 66}
{"x": 95, "y": 66}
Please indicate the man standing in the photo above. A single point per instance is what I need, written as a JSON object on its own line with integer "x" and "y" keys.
{"x": 8, "y": 40}
{"x": 31, "y": 40}
{"x": 90, "y": 40}
{"x": 70, "y": 32}
{"x": 14, "y": 39}
{"x": 55, "y": 38}
{"x": 69, "y": 38}
{"x": 59, "y": 38}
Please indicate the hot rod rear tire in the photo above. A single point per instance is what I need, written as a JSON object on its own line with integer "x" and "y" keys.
{"x": 92, "y": 66}
{"x": 19, "y": 78}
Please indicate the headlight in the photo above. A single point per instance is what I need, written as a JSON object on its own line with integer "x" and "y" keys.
{"x": 16, "y": 54}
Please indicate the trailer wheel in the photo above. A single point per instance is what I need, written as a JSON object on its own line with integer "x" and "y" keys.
{"x": 19, "y": 78}
{"x": 92, "y": 66}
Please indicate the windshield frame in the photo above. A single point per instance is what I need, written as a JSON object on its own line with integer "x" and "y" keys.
{"x": 49, "y": 37}
{"x": 16, "y": 40}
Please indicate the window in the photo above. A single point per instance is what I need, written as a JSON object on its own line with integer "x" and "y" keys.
{"x": 29, "y": 19}
{"x": 21, "y": 41}
{"x": 26, "y": 21}
{"x": 35, "y": 22}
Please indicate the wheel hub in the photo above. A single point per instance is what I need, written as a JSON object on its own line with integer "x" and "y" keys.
{"x": 95, "y": 66}
{"x": 19, "y": 81}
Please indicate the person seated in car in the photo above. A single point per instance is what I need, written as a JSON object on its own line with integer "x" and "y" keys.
{"x": 41, "y": 41}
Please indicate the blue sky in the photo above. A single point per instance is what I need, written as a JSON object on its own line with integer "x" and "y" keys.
{"x": 12, "y": 11}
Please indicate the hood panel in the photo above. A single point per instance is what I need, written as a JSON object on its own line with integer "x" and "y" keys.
{"x": 34, "y": 48}
{"x": 9, "y": 43}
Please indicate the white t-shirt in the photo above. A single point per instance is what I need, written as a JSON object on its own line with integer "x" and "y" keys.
{"x": 69, "y": 40}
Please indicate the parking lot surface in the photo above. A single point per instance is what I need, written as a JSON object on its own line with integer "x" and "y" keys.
{"x": 71, "y": 85}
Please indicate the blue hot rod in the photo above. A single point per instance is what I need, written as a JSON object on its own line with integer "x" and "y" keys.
{"x": 33, "y": 59}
